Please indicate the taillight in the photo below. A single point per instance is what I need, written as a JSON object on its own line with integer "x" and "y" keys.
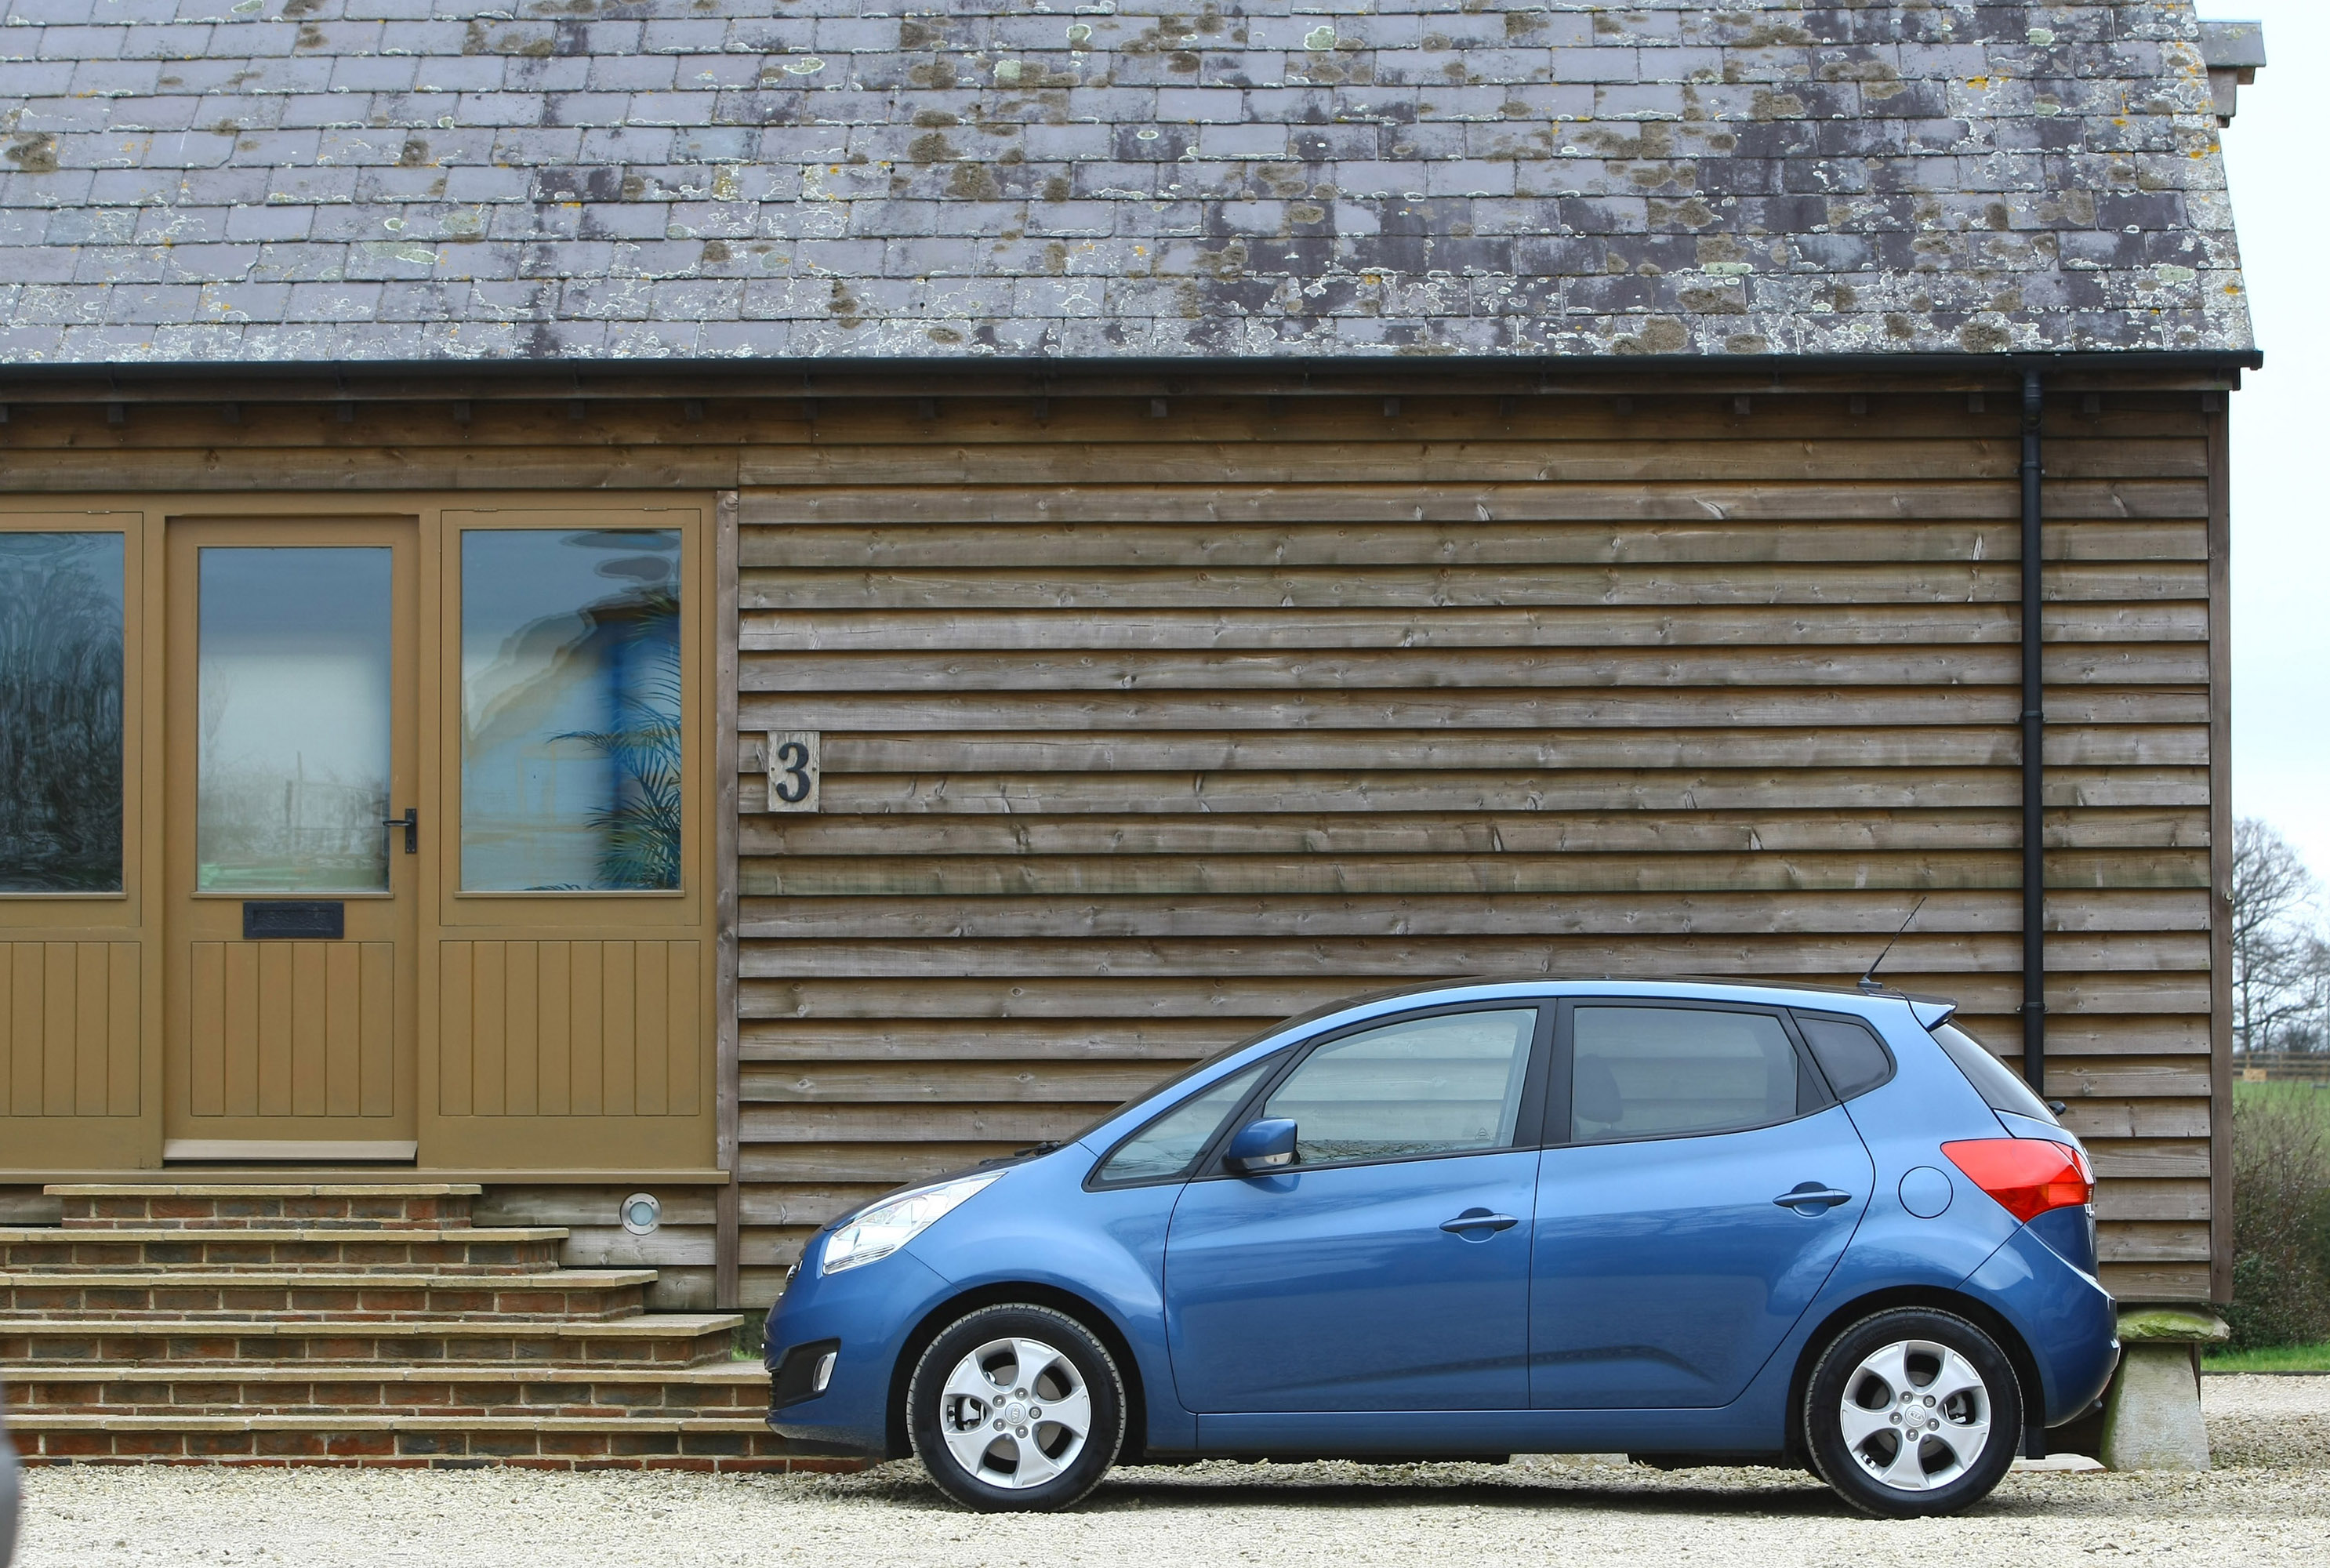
{"x": 2027, "y": 1176}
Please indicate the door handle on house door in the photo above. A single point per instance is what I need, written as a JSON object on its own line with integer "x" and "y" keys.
{"x": 411, "y": 823}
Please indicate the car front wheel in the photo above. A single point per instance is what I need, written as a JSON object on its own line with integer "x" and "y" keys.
{"x": 1016, "y": 1408}
{"x": 1913, "y": 1412}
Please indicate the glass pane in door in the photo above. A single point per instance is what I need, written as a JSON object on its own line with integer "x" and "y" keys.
{"x": 59, "y": 713}
{"x": 570, "y": 710}
{"x": 293, "y": 722}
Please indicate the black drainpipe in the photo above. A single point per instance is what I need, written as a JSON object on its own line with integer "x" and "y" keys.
{"x": 2034, "y": 760}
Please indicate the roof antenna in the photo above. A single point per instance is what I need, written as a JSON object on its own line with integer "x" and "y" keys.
{"x": 1869, "y": 980}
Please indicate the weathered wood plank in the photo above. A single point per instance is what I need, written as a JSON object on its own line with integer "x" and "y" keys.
{"x": 1931, "y": 746}
{"x": 1164, "y": 1044}
{"x": 833, "y": 675}
{"x": 1257, "y": 917}
{"x": 943, "y": 631}
{"x": 935, "y": 1083}
{"x": 1181, "y": 461}
{"x": 1358, "y": 959}
{"x": 1452, "y": 790}
{"x": 2071, "y": 506}
{"x": 1424, "y": 586}
{"x": 2179, "y": 835}
{"x": 1189, "y": 538}
{"x": 1650, "y": 874}
{"x": 1255, "y": 1000}
{"x": 1479, "y": 708}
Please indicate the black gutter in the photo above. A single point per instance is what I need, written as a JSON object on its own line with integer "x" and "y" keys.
{"x": 2034, "y": 741}
{"x": 131, "y": 380}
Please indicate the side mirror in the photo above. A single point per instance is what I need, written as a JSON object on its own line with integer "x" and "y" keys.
{"x": 1260, "y": 1148}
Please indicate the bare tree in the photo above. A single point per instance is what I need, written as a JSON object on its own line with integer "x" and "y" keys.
{"x": 2276, "y": 950}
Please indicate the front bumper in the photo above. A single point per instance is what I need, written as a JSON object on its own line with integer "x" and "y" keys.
{"x": 865, "y": 1314}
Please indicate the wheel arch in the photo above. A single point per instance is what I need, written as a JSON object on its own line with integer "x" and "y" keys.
{"x": 1983, "y": 1315}
{"x": 1088, "y": 1313}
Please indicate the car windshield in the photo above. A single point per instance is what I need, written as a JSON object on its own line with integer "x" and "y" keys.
{"x": 1998, "y": 1084}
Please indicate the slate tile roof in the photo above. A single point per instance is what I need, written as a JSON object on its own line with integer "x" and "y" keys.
{"x": 314, "y": 180}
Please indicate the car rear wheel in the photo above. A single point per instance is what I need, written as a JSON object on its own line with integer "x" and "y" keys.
{"x": 1913, "y": 1412}
{"x": 1016, "y": 1408}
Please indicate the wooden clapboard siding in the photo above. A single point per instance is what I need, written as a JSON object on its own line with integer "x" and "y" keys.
{"x": 1140, "y": 734}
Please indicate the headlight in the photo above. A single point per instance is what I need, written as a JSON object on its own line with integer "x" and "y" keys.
{"x": 889, "y": 1225}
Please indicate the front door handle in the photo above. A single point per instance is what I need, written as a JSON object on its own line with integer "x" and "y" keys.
{"x": 1478, "y": 1220}
{"x": 411, "y": 823}
{"x": 1812, "y": 1198}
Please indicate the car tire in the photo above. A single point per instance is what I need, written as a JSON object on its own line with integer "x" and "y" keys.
{"x": 1911, "y": 1413}
{"x": 1016, "y": 1408}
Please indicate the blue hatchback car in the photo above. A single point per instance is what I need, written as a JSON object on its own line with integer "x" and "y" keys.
{"x": 1690, "y": 1221}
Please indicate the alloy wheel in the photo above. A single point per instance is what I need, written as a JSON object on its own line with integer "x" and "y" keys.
{"x": 1915, "y": 1415}
{"x": 1015, "y": 1412}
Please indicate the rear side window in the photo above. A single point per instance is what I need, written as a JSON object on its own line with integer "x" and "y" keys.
{"x": 1672, "y": 1072}
{"x": 1849, "y": 1052}
{"x": 1166, "y": 1146}
{"x": 1999, "y": 1086}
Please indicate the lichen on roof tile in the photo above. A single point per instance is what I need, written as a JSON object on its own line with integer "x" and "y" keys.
{"x": 271, "y": 180}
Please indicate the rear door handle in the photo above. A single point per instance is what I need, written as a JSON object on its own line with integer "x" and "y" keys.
{"x": 1478, "y": 1220}
{"x": 1811, "y": 1197}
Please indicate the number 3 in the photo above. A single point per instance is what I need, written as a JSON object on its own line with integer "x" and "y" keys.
{"x": 792, "y": 770}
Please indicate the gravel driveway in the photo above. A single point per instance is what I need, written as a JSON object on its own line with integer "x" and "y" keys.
{"x": 2270, "y": 1504}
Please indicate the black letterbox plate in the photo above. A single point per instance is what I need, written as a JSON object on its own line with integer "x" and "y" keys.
{"x": 325, "y": 919}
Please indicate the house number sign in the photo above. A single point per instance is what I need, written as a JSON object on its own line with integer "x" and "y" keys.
{"x": 793, "y": 770}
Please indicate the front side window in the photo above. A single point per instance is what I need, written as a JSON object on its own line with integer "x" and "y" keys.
{"x": 571, "y": 710}
{"x": 1441, "y": 1084}
{"x": 1671, "y": 1072}
{"x": 1166, "y": 1146}
{"x": 61, "y": 634}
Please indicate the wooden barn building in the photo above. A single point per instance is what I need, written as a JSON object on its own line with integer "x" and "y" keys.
{"x": 742, "y": 600}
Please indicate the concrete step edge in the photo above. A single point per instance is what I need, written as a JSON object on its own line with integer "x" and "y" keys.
{"x": 645, "y": 1325}
{"x": 127, "y": 1236}
{"x": 561, "y": 1278}
{"x": 20, "y": 1374}
{"x": 263, "y": 1190}
{"x": 326, "y": 1421}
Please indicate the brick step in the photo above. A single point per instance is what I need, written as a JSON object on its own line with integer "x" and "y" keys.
{"x": 206, "y": 1206}
{"x": 535, "y": 1442}
{"x": 475, "y": 1250}
{"x": 732, "y": 1388}
{"x": 353, "y": 1298}
{"x": 662, "y": 1339}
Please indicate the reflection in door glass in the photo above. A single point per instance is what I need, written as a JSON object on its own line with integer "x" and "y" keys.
{"x": 293, "y": 719}
{"x": 59, "y": 713}
{"x": 570, "y": 710}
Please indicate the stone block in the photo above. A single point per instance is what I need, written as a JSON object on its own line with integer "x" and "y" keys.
{"x": 2152, "y": 1412}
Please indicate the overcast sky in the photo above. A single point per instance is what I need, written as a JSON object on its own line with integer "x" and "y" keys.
{"x": 2281, "y": 434}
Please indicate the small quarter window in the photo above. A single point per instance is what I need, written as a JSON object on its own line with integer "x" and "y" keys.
{"x": 1166, "y": 1146}
{"x": 1672, "y": 1072}
{"x": 1854, "y": 1059}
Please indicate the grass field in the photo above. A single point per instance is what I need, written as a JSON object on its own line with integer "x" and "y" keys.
{"x": 2281, "y": 1358}
{"x": 2303, "y": 1094}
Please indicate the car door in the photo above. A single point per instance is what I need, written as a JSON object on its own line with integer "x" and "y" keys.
{"x": 1664, "y": 1272}
{"x": 1387, "y": 1267}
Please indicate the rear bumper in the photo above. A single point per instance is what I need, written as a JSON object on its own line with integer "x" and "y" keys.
{"x": 2064, "y": 1315}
